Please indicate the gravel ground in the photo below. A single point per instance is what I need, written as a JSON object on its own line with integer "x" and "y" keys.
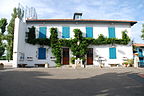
{"x": 72, "y": 82}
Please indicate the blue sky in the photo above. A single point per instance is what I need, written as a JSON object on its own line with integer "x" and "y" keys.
{"x": 91, "y": 9}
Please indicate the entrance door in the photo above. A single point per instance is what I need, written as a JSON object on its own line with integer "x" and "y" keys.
{"x": 65, "y": 56}
{"x": 90, "y": 56}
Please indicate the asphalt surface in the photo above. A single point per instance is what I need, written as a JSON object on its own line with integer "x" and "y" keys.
{"x": 72, "y": 82}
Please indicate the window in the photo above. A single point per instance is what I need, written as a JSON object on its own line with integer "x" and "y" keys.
{"x": 41, "y": 53}
{"x": 111, "y": 32}
{"x": 42, "y": 32}
{"x": 89, "y": 32}
{"x": 112, "y": 53}
{"x": 65, "y": 32}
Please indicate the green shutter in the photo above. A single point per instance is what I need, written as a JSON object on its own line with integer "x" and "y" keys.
{"x": 65, "y": 32}
{"x": 111, "y": 32}
{"x": 42, "y": 32}
{"x": 112, "y": 53}
{"x": 89, "y": 32}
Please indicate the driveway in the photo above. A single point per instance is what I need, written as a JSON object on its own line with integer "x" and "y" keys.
{"x": 72, "y": 82}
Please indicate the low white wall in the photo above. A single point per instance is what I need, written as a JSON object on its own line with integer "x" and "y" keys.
{"x": 6, "y": 62}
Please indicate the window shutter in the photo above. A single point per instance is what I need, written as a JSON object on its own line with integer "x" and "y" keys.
{"x": 42, "y": 32}
{"x": 41, "y": 53}
{"x": 111, "y": 31}
{"x": 89, "y": 32}
{"x": 66, "y": 32}
{"x": 112, "y": 53}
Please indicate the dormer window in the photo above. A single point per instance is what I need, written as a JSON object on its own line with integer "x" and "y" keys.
{"x": 77, "y": 16}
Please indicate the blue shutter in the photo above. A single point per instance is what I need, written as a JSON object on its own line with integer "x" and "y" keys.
{"x": 111, "y": 31}
{"x": 41, "y": 53}
{"x": 89, "y": 32}
{"x": 66, "y": 32}
{"x": 112, "y": 53}
{"x": 42, "y": 32}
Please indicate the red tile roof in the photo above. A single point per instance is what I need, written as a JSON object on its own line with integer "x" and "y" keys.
{"x": 138, "y": 45}
{"x": 81, "y": 20}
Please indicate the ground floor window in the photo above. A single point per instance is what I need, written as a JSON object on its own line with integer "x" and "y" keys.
{"x": 41, "y": 53}
{"x": 112, "y": 53}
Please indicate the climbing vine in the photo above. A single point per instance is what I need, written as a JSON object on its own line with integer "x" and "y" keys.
{"x": 78, "y": 45}
{"x": 55, "y": 45}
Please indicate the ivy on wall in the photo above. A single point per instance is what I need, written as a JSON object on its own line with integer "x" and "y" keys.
{"x": 78, "y": 45}
{"x": 55, "y": 45}
{"x": 31, "y": 38}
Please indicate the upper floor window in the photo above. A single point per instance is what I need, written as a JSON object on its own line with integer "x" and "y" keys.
{"x": 66, "y": 32}
{"x": 89, "y": 32}
{"x": 42, "y": 32}
{"x": 111, "y": 32}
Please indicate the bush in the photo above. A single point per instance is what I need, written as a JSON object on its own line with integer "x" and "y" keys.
{"x": 58, "y": 65}
{"x": 73, "y": 60}
{"x": 130, "y": 62}
{"x": 3, "y": 58}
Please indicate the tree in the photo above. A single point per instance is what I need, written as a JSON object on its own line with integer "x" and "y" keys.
{"x": 3, "y": 23}
{"x": 142, "y": 36}
{"x": 17, "y": 12}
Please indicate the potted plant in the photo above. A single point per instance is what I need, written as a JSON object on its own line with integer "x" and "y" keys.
{"x": 130, "y": 62}
{"x": 125, "y": 64}
{"x": 1, "y": 66}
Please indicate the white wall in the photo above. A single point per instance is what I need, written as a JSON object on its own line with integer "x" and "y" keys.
{"x": 103, "y": 51}
{"x": 20, "y": 46}
{"x": 100, "y": 28}
{"x": 6, "y": 62}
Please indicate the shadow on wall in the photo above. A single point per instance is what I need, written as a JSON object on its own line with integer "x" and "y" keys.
{"x": 32, "y": 83}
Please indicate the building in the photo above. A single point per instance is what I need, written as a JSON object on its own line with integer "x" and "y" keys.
{"x": 113, "y": 53}
{"x": 139, "y": 48}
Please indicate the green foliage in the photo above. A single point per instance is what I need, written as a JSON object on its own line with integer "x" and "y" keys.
{"x": 2, "y": 49}
{"x": 3, "y": 23}
{"x": 126, "y": 63}
{"x": 79, "y": 50}
{"x": 55, "y": 44}
{"x": 2, "y": 57}
{"x": 20, "y": 13}
{"x": 31, "y": 35}
{"x": 142, "y": 36}
{"x": 58, "y": 65}
{"x": 130, "y": 61}
{"x": 73, "y": 60}
{"x": 125, "y": 37}
{"x": 33, "y": 40}
{"x": 10, "y": 29}
{"x": 77, "y": 34}
{"x": 78, "y": 45}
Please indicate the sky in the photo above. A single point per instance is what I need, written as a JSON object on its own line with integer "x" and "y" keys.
{"x": 91, "y": 9}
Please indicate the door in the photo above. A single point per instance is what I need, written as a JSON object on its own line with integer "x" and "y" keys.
{"x": 90, "y": 56}
{"x": 65, "y": 56}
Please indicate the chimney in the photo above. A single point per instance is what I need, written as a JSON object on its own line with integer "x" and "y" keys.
{"x": 77, "y": 16}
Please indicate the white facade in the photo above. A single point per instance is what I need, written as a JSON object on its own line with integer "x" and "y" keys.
{"x": 25, "y": 53}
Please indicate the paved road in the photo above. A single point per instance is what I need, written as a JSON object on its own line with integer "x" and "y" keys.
{"x": 72, "y": 82}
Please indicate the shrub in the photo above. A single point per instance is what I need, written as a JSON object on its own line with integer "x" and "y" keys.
{"x": 73, "y": 60}
{"x": 58, "y": 64}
